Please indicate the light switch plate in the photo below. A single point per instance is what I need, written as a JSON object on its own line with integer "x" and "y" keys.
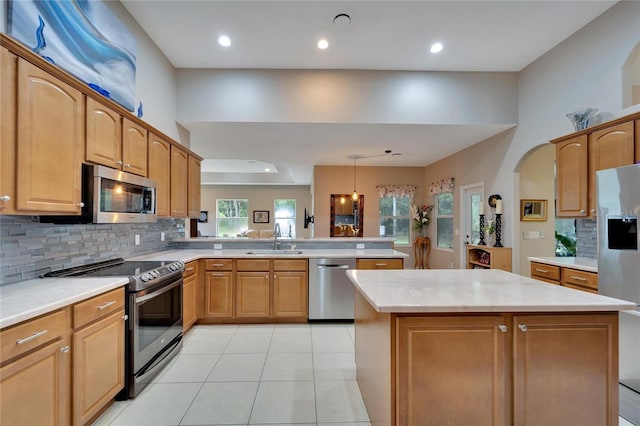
{"x": 217, "y": 246}
{"x": 162, "y": 236}
{"x": 136, "y": 239}
{"x": 360, "y": 246}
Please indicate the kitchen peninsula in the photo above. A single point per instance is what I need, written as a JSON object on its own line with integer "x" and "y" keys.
{"x": 478, "y": 347}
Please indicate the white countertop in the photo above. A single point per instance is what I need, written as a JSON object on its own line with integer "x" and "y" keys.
{"x": 187, "y": 255}
{"x": 315, "y": 239}
{"x": 472, "y": 290}
{"x": 29, "y": 299}
{"x": 582, "y": 263}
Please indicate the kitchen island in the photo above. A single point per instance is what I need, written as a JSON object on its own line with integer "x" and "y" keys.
{"x": 484, "y": 347}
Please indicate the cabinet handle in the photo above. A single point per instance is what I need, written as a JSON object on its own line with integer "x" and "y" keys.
{"x": 32, "y": 337}
{"x": 119, "y": 163}
{"x": 217, "y": 275}
{"x": 593, "y": 211}
{"x": 106, "y": 305}
{"x": 80, "y": 204}
{"x": 5, "y": 198}
{"x": 125, "y": 317}
{"x": 275, "y": 276}
{"x": 582, "y": 211}
{"x": 65, "y": 349}
{"x": 578, "y": 278}
{"x": 381, "y": 264}
{"x": 503, "y": 328}
{"x": 523, "y": 327}
{"x": 127, "y": 165}
{"x": 217, "y": 265}
{"x": 544, "y": 271}
{"x": 267, "y": 276}
{"x": 190, "y": 269}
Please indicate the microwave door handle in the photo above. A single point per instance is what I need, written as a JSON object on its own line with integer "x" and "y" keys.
{"x": 158, "y": 292}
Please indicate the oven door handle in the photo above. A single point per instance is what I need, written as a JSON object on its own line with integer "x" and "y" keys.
{"x": 157, "y": 293}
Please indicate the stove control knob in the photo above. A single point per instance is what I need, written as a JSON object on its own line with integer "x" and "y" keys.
{"x": 145, "y": 277}
{"x": 172, "y": 267}
{"x": 155, "y": 273}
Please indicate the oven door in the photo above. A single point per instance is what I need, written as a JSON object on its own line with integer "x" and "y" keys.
{"x": 156, "y": 320}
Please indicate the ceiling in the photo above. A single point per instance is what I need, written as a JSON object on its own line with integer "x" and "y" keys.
{"x": 382, "y": 35}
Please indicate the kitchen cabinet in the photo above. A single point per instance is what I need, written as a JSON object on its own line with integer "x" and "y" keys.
{"x": 544, "y": 272}
{"x": 134, "y": 148}
{"x": 9, "y": 90}
{"x": 189, "y": 286}
{"x": 35, "y": 374}
{"x": 290, "y": 288}
{"x": 179, "y": 182}
{"x": 486, "y": 257}
{"x": 252, "y": 288}
{"x": 98, "y": 362}
{"x": 159, "y": 164}
{"x": 219, "y": 286}
{"x": 104, "y": 135}
{"x": 379, "y": 263}
{"x": 637, "y": 138}
{"x": 50, "y": 126}
{"x": 567, "y": 277}
{"x": 193, "y": 179}
{"x": 572, "y": 173}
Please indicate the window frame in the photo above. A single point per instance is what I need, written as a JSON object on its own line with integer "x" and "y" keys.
{"x": 408, "y": 217}
{"x": 293, "y": 219}
{"x": 436, "y": 203}
{"x": 218, "y": 234}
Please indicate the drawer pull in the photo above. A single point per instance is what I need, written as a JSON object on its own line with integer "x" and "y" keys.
{"x": 5, "y": 198}
{"x": 106, "y": 305}
{"x": 523, "y": 328}
{"x": 578, "y": 278}
{"x": 32, "y": 337}
{"x": 381, "y": 264}
{"x": 190, "y": 269}
{"x": 503, "y": 328}
{"x": 217, "y": 275}
{"x": 544, "y": 271}
{"x": 217, "y": 265}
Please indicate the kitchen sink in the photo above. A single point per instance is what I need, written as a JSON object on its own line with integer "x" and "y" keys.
{"x": 271, "y": 251}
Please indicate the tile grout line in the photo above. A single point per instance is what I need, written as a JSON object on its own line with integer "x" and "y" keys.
{"x": 255, "y": 397}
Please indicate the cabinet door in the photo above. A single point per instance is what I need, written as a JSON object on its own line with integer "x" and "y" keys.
{"x": 572, "y": 177}
{"x": 51, "y": 142}
{"x": 194, "y": 187}
{"x": 159, "y": 165}
{"x": 562, "y": 369}
{"x": 36, "y": 389}
{"x": 608, "y": 148}
{"x": 637, "y": 138}
{"x": 134, "y": 148}
{"x": 179, "y": 179}
{"x": 188, "y": 303}
{"x": 252, "y": 294}
{"x": 104, "y": 135}
{"x": 290, "y": 295}
{"x": 98, "y": 366}
{"x": 219, "y": 295}
{"x": 9, "y": 90}
{"x": 451, "y": 371}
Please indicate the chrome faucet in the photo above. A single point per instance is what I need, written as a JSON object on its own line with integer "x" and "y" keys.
{"x": 276, "y": 235}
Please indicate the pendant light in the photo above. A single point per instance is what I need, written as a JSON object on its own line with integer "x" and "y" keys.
{"x": 355, "y": 195}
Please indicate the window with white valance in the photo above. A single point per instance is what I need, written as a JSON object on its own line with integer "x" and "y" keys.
{"x": 398, "y": 191}
{"x": 440, "y": 186}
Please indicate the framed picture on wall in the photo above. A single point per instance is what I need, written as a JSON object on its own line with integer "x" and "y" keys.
{"x": 533, "y": 210}
{"x": 261, "y": 216}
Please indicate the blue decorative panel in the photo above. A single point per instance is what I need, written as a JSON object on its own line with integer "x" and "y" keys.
{"x": 84, "y": 38}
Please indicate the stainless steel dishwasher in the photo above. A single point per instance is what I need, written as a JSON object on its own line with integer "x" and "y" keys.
{"x": 331, "y": 293}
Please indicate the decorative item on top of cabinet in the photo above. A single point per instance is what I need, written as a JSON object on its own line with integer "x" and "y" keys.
{"x": 159, "y": 163}
{"x": 485, "y": 257}
{"x": 179, "y": 182}
{"x": 194, "y": 186}
{"x": 189, "y": 291}
{"x": 35, "y": 371}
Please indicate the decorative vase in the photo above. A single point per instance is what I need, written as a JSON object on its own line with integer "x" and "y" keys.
{"x": 488, "y": 238}
{"x": 581, "y": 117}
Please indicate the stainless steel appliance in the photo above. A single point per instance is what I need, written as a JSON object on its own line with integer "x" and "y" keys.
{"x": 154, "y": 314}
{"x": 331, "y": 294}
{"x": 113, "y": 196}
{"x": 619, "y": 271}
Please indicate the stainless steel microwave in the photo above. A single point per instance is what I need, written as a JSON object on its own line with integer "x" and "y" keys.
{"x": 113, "y": 196}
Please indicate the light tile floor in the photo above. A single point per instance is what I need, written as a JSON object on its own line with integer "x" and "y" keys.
{"x": 276, "y": 375}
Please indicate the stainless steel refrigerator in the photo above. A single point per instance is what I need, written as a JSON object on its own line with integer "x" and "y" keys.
{"x": 619, "y": 271}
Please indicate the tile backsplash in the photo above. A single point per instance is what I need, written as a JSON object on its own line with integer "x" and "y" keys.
{"x": 587, "y": 238}
{"x": 29, "y": 248}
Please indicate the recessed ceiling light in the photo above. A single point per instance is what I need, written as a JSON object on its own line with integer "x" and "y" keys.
{"x": 267, "y": 169}
{"x": 436, "y": 47}
{"x": 323, "y": 44}
{"x": 224, "y": 41}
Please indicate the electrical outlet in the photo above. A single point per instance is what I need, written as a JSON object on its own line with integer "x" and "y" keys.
{"x": 360, "y": 246}
{"x": 136, "y": 239}
{"x": 162, "y": 236}
{"x": 217, "y": 246}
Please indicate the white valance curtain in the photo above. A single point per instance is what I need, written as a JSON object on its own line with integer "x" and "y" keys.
{"x": 404, "y": 191}
{"x": 441, "y": 186}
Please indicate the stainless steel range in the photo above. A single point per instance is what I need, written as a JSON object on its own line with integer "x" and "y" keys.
{"x": 154, "y": 311}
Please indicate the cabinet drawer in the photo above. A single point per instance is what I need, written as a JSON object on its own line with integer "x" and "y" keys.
{"x": 218, "y": 264}
{"x": 252, "y": 264}
{"x": 574, "y": 277}
{"x": 97, "y": 307}
{"x": 31, "y": 334}
{"x": 190, "y": 269}
{"x": 542, "y": 270}
{"x": 290, "y": 265}
{"x": 379, "y": 263}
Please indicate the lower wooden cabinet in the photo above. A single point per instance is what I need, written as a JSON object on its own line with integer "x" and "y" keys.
{"x": 36, "y": 386}
{"x": 189, "y": 291}
{"x": 379, "y": 263}
{"x": 567, "y": 277}
{"x": 252, "y": 294}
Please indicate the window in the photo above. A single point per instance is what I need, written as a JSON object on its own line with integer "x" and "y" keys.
{"x": 232, "y": 217}
{"x": 395, "y": 219}
{"x": 444, "y": 220}
{"x": 285, "y": 215}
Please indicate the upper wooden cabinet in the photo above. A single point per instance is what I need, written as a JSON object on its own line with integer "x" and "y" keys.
{"x": 580, "y": 156}
{"x": 637, "y": 138}
{"x": 194, "y": 186}
{"x": 104, "y": 135}
{"x": 9, "y": 90}
{"x": 159, "y": 165}
{"x": 134, "y": 148}
{"x": 179, "y": 180}
{"x": 50, "y": 142}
